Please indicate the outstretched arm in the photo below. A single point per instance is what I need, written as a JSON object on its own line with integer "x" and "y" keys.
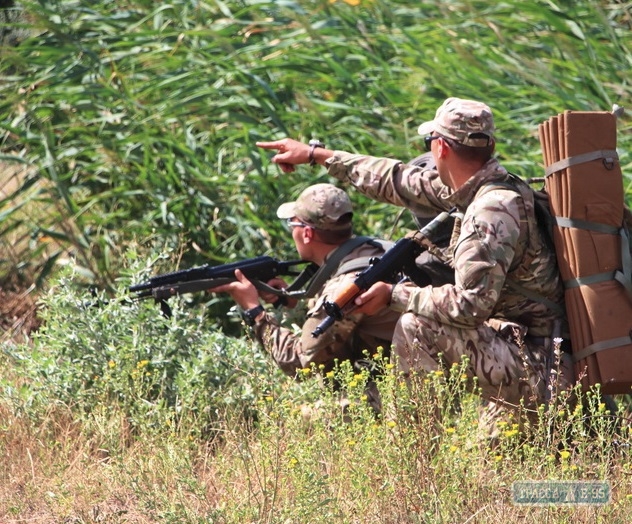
{"x": 292, "y": 152}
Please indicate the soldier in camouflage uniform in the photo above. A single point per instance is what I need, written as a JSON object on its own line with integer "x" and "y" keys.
{"x": 321, "y": 223}
{"x": 507, "y": 297}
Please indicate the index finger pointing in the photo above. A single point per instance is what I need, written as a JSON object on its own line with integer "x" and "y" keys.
{"x": 269, "y": 145}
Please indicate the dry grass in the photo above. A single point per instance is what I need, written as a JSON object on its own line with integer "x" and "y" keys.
{"x": 56, "y": 473}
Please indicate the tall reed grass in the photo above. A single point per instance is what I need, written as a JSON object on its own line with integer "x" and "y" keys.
{"x": 137, "y": 122}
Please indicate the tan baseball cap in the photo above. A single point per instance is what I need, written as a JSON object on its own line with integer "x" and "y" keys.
{"x": 323, "y": 206}
{"x": 459, "y": 119}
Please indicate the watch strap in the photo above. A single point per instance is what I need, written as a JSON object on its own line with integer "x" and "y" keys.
{"x": 250, "y": 315}
{"x": 313, "y": 144}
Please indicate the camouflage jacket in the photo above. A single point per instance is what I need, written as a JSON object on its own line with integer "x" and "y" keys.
{"x": 499, "y": 243}
{"x": 347, "y": 339}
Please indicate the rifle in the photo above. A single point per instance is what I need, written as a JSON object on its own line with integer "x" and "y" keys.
{"x": 258, "y": 270}
{"x": 387, "y": 268}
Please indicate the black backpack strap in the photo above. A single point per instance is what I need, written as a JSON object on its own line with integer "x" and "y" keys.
{"x": 362, "y": 262}
{"x": 331, "y": 266}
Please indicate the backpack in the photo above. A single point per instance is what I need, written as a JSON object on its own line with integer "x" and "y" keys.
{"x": 591, "y": 229}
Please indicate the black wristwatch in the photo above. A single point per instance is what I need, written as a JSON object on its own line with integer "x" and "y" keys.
{"x": 313, "y": 144}
{"x": 250, "y": 315}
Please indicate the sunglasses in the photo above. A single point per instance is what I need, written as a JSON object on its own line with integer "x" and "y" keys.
{"x": 428, "y": 141}
{"x": 294, "y": 223}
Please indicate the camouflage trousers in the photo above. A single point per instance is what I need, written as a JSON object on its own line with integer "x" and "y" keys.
{"x": 509, "y": 367}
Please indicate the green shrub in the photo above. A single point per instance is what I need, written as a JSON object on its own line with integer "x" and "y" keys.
{"x": 93, "y": 352}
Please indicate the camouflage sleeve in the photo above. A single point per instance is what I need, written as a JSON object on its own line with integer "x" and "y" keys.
{"x": 387, "y": 180}
{"x": 293, "y": 351}
{"x": 281, "y": 343}
{"x": 482, "y": 258}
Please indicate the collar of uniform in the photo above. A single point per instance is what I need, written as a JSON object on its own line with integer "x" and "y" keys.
{"x": 492, "y": 171}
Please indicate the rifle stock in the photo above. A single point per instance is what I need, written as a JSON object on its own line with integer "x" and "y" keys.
{"x": 397, "y": 260}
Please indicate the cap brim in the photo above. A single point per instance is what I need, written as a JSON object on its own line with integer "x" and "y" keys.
{"x": 426, "y": 128}
{"x": 287, "y": 210}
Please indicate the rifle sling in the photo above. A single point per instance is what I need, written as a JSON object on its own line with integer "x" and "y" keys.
{"x": 331, "y": 266}
{"x": 181, "y": 288}
{"x": 304, "y": 277}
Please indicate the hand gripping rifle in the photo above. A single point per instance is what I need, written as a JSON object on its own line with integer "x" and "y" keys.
{"x": 258, "y": 270}
{"x": 397, "y": 260}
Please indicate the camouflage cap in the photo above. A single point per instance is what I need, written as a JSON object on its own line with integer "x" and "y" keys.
{"x": 459, "y": 119}
{"x": 323, "y": 206}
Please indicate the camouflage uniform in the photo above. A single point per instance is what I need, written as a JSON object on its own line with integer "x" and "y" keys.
{"x": 502, "y": 330}
{"x": 327, "y": 208}
{"x": 345, "y": 340}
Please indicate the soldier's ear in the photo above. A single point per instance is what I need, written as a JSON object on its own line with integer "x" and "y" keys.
{"x": 307, "y": 234}
{"x": 442, "y": 148}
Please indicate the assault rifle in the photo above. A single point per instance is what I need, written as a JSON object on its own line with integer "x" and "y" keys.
{"x": 397, "y": 260}
{"x": 258, "y": 270}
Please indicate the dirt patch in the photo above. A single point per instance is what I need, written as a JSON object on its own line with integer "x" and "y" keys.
{"x": 18, "y": 298}
{"x": 18, "y": 312}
